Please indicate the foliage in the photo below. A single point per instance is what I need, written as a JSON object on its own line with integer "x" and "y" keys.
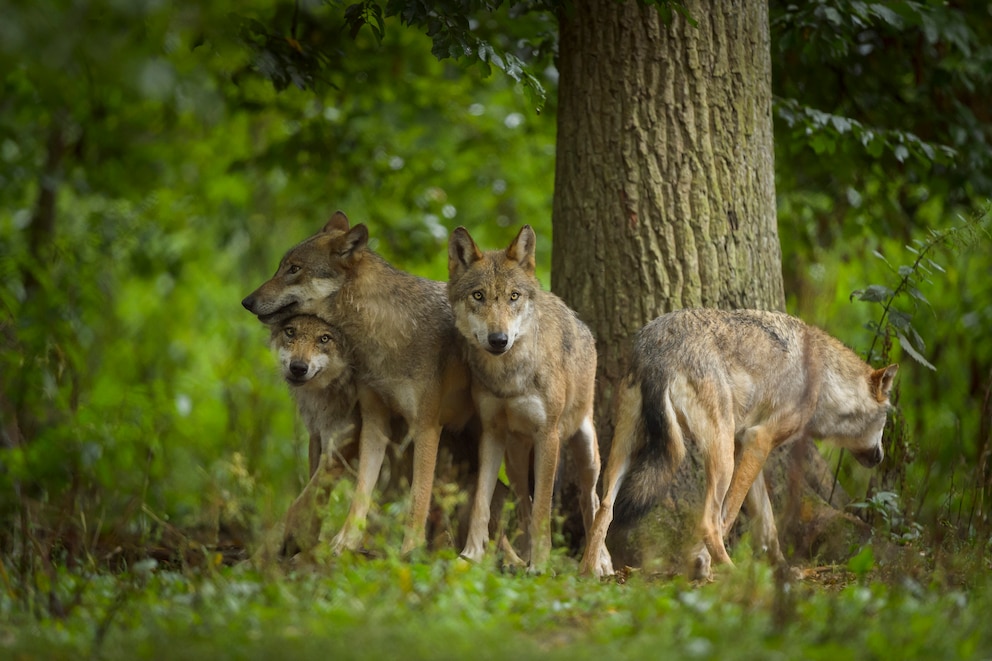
{"x": 158, "y": 158}
{"x": 450, "y": 609}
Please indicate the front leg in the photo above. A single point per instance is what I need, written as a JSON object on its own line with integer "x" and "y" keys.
{"x": 373, "y": 441}
{"x": 425, "y": 443}
{"x": 491, "y": 450}
{"x": 546, "y": 451}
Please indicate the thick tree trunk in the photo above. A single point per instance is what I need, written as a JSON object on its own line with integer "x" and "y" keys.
{"x": 664, "y": 184}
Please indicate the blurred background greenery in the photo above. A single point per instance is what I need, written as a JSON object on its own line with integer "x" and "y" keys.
{"x": 157, "y": 159}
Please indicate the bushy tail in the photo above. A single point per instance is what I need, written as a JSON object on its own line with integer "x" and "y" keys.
{"x": 659, "y": 451}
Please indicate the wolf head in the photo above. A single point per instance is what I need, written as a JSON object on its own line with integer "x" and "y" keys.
{"x": 310, "y": 272}
{"x": 860, "y": 415}
{"x": 309, "y": 351}
{"x": 492, "y": 293}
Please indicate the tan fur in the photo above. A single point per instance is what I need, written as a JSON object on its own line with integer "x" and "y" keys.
{"x": 400, "y": 331}
{"x": 316, "y": 365}
{"x": 739, "y": 384}
{"x": 533, "y": 366}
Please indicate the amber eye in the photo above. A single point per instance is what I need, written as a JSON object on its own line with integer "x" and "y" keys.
{"x": 477, "y": 295}
{"x": 325, "y": 338}
{"x": 514, "y": 295}
{"x": 289, "y": 331}
{"x": 294, "y": 269}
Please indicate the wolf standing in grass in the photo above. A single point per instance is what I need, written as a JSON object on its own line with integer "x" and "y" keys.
{"x": 533, "y": 366}
{"x": 400, "y": 331}
{"x": 738, "y": 384}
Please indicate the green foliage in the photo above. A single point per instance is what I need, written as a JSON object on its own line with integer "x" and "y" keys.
{"x": 898, "y": 321}
{"x": 448, "y": 609}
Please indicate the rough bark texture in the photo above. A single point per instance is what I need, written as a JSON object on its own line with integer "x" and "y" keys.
{"x": 664, "y": 183}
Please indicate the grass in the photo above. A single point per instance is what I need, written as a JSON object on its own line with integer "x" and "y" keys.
{"x": 443, "y": 608}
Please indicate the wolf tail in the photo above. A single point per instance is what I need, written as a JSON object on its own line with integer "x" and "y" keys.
{"x": 656, "y": 449}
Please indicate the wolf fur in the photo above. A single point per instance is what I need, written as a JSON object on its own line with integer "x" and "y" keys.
{"x": 533, "y": 367}
{"x": 738, "y": 384}
{"x": 316, "y": 365}
{"x": 400, "y": 331}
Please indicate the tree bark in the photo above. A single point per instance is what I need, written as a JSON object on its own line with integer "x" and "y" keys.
{"x": 664, "y": 181}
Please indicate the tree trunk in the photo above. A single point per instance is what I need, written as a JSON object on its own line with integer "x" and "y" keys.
{"x": 664, "y": 183}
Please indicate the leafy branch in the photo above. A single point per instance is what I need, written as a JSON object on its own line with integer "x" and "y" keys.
{"x": 898, "y": 322}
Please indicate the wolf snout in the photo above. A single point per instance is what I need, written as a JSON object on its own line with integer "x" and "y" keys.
{"x": 497, "y": 342}
{"x": 870, "y": 458}
{"x": 248, "y": 303}
{"x": 298, "y": 369}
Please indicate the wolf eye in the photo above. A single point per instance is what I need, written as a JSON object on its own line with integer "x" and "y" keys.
{"x": 514, "y": 295}
{"x": 294, "y": 269}
{"x": 325, "y": 338}
{"x": 289, "y": 331}
{"x": 477, "y": 295}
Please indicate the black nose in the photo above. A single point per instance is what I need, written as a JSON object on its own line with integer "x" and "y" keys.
{"x": 498, "y": 341}
{"x": 298, "y": 368}
{"x": 870, "y": 458}
{"x": 248, "y": 302}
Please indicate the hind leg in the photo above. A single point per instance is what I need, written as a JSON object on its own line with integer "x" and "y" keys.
{"x": 585, "y": 451}
{"x": 763, "y": 527}
{"x": 596, "y": 560}
{"x": 718, "y": 462}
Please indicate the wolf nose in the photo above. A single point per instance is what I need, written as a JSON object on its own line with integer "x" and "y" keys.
{"x": 298, "y": 368}
{"x": 498, "y": 341}
{"x": 248, "y": 302}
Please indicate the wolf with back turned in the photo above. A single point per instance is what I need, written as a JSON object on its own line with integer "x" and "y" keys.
{"x": 533, "y": 366}
{"x": 737, "y": 384}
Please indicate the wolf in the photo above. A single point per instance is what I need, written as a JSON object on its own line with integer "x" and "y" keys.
{"x": 533, "y": 368}
{"x": 400, "y": 331}
{"x": 316, "y": 365}
{"x": 738, "y": 384}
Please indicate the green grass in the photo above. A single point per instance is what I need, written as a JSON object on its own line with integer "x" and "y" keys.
{"x": 444, "y": 608}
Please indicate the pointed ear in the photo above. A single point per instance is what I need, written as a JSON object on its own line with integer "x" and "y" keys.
{"x": 522, "y": 249}
{"x": 337, "y": 223}
{"x": 356, "y": 239}
{"x": 462, "y": 252}
{"x": 881, "y": 382}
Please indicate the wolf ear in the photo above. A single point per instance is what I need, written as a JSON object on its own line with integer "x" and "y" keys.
{"x": 462, "y": 252}
{"x": 337, "y": 223}
{"x": 356, "y": 239}
{"x": 522, "y": 249}
{"x": 881, "y": 382}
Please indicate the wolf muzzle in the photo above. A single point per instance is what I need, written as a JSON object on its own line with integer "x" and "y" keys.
{"x": 870, "y": 458}
{"x": 497, "y": 343}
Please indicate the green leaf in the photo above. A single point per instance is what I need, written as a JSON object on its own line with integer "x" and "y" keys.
{"x": 911, "y": 350}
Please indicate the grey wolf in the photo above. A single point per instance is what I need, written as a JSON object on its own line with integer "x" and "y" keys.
{"x": 533, "y": 367}
{"x": 737, "y": 384}
{"x": 315, "y": 364}
{"x": 400, "y": 331}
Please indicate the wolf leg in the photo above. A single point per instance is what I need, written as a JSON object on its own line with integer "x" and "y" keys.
{"x": 760, "y": 509}
{"x": 719, "y": 465}
{"x": 596, "y": 560}
{"x": 491, "y": 452}
{"x": 518, "y": 472}
{"x": 585, "y": 451}
{"x": 756, "y": 443}
{"x": 425, "y": 444}
{"x": 546, "y": 451}
{"x": 373, "y": 441}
